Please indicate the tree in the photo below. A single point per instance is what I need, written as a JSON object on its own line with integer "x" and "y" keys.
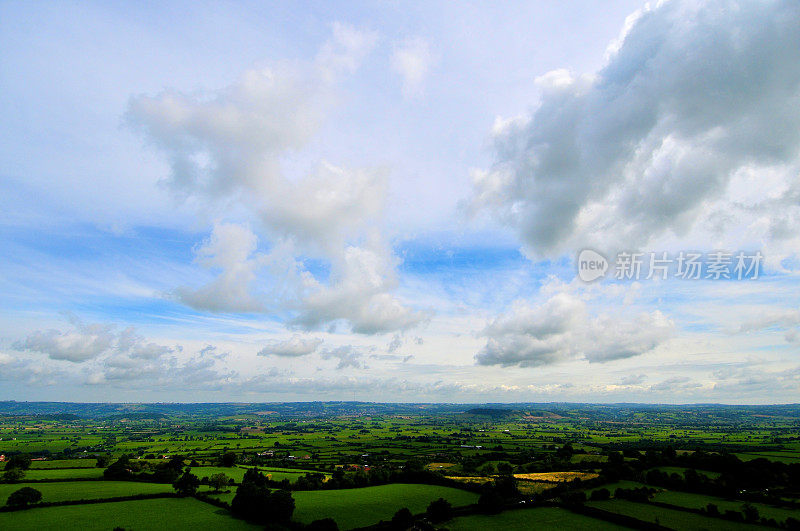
{"x": 505, "y": 468}
{"x": 439, "y": 511}
{"x": 187, "y": 484}
{"x": 24, "y": 497}
{"x": 13, "y": 475}
{"x": 323, "y": 524}
{"x": 258, "y": 504}
{"x": 750, "y": 512}
{"x": 228, "y": 459}
{"x": 600, "y": 494}
{"x": 487, "y": 470}
{"x": 252, "y": 475}
{"x": 119, "y": 469}
{"x": 19, "y": 461}
{"x": 218, "y": 481}
{"x": 490, "y": 501}
{"x": 402, "y": 519}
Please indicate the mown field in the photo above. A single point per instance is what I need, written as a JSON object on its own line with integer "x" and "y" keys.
{"x": 63, "y": 473}
{"x": 360, "y": 507}
{"x": 700, "y": 501}
{"x": 85, "y": 490}
{"x": 543, "y": 518}
{"x": 674, "y": 519}
{"x": 158, "y": 514}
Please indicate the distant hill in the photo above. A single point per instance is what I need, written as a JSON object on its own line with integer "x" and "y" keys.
{"x": 491, "y": 412}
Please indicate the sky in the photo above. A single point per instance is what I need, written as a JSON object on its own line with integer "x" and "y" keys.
{"x": 400, "y": 201}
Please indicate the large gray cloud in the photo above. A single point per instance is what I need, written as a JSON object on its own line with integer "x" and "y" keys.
{"x": 562, "y": 329}
{"x": 693, "y": 93}
{"x": 82, "y": 342}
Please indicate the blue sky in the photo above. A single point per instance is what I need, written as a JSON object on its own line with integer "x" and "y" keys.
{"x": 261, "y": 201}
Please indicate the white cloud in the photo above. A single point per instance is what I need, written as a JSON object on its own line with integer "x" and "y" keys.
{"x": 346, "y": 50}
{"x": 348, "y": 356}
{"x": 228, "y": 148}
{"x": 88, "y": 341}
{"x": 693, "y": 97}
{"x": 562, "y": 329}
{"x": 231, "y": 250}
{"x": 83, "y": 342}
{"x": 293, "y": 347}
{"x": 413, "y": 60}
{"x": 359, "y": 293}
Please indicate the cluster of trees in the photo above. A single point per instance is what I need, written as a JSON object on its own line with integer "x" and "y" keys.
{"x": 15, "y": 467}
{"x": 413, "y": 471}
{"x": 496, "y": 495}
{"x": 127, "y": 469}
{"x": 755, "y": 480}
{"x": 256, "y": 502}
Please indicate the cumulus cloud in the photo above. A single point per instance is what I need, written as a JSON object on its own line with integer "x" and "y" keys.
{"x": 83, "y": 342}
{"x": 561, "y": 329}
{"x": 229, "y": 147}
{"x": 358, "y": 292}
{"x": 294, "y": 347}
{"x": 413, "y": 60}
{"x": 676, "y": 383}
{"x": 87, "y": 341}
{"x": 230, "y": 249}
{"x": 348, "y": 356}
{"x": 696, "y": 103}
{"x": 633, "y": 379}
{"x": 346, "y": 50}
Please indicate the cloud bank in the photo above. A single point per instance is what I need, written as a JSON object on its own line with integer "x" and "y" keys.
{"x": 696, "y": 101}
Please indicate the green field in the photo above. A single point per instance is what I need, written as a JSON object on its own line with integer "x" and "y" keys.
{"x": 361, "y": 507}
{"x": 783, "y": 457}
{"x": 61, "y": 463}
{"x": 611, "y": 487}
{"x": 668, "y": 517}
{"x": 545, "y": 518}
{"x": 158, "y": 514}
{"x": 64, "y": 473}
{"x": 365, "y": 506}
{"x": 682, "y": 471}
{"x": 85, "y": 490}
{"x": 235, "y": 472}
{"x": 700, "y": 501}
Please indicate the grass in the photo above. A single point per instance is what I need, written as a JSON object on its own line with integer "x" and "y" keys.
{"x": 700, "y": 501}
{"x": 63, "y": 473}
{"x": 62, "y": 463}
{"x": 522, "y": 519}
{"x": 556, "y": 477}
{"x": 668, "y": 517}
{"x": 232, "y": 472}
{"x": 616, "y": 485}
{"x": 361, "y": 507}
{"x": 682, "y": 471}
{"x": 157, "y": 514}
{"x": 84, "y": 490}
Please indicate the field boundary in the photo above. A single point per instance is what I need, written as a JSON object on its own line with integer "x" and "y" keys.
{"x": 135, "y": 497}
